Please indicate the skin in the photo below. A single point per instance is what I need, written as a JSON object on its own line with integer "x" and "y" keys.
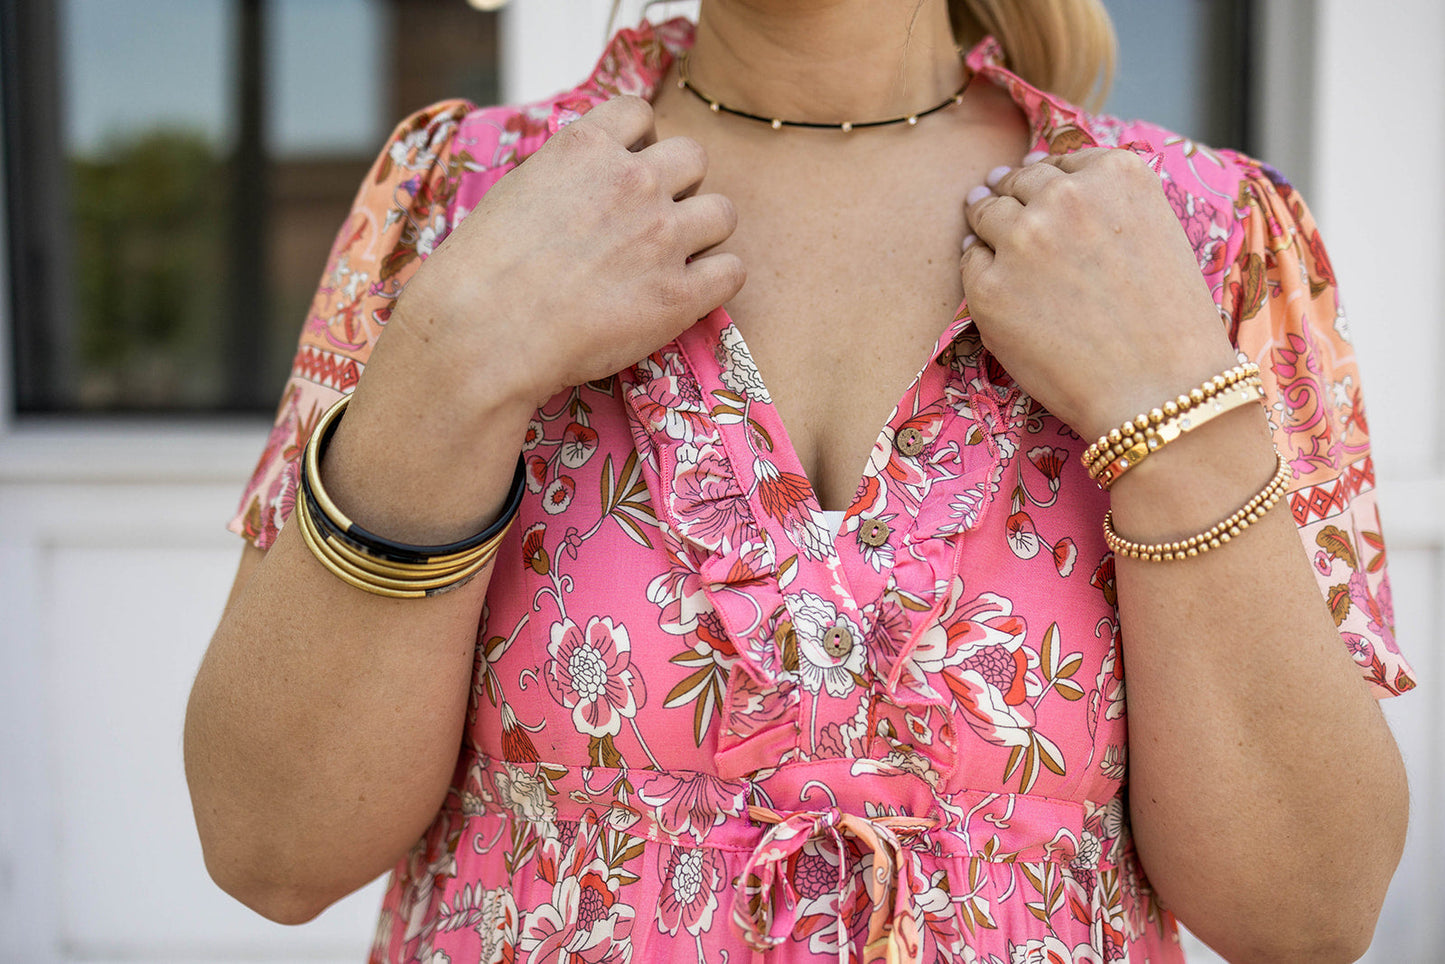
{"x": 1255, "y": 748}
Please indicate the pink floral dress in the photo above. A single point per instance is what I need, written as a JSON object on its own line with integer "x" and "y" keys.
{"x": 703, "y": 725}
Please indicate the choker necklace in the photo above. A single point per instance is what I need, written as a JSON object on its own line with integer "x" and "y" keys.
{"x": 684, "y": 82}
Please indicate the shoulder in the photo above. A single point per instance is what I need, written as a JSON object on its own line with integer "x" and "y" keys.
{"x": 1197, "y": 176}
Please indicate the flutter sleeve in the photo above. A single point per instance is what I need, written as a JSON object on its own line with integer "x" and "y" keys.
{"x": 1281, "y": 299}
{"x": 401, "y": 213}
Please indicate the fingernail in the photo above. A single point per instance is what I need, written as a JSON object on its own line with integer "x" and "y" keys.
{"x": 969, "y": 240}
{"x": 1033, "y": 157}
{"x": 978, "y": 194}
{"x": 996, "y": 175}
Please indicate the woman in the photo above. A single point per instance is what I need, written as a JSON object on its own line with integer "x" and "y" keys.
{"x": 684, "y": 712}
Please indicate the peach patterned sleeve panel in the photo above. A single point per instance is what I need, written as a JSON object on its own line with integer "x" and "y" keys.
{"x": 1281, "y": 296}
{"x": 402, "y": 211}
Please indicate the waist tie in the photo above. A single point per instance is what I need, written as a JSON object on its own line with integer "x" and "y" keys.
{"x": 893, "y": 884}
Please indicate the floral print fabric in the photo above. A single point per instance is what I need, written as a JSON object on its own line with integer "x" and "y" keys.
{"x": 702, "y": 724}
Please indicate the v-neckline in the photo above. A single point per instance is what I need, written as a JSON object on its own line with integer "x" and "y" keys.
{"x": 784, "y": 451}
{"x": 706, "y": 340}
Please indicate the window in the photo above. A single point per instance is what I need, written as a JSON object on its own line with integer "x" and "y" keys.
{"x": 1186, "y": 64}
{"x": 176, "y": 170}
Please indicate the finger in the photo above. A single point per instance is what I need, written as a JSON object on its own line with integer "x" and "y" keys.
{"x": 991, "y": 216}
{"x": 1025, "y": 183}
{"x": 713, "y": 280}
{"x": 705, "y": 220}
{"x": 1078, "y": 160}
{"x": 977, "y": 258}
{"x": 628, "y": 119}
{"x": 681, "y": 164}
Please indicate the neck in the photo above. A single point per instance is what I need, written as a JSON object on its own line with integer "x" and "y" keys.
{"x": 826, "y": 61}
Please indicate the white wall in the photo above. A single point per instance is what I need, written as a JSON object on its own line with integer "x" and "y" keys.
{"x": 113, "y": 562}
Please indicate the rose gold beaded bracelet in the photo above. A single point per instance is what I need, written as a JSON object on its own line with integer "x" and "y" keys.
{"x": 1213, "y": 537}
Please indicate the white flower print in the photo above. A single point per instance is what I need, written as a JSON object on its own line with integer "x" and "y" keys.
{"x": 1342, "y": 326}
{"x": 430, "y": 235}
{"x": 739, "y": 373}
{"x": 591, "y": 674}
{"x": 813, "y": 618}
{"x": 1114, "y": 765}
{"x": 1089, "y": 852}
{"x": 1342, "y": 392}
{"x": 525, "y": 795}
{"x": 1049, "y": 950}
{"x": 412, "y": 152}
{"x": 1115, "y": 825}
{"x": 534, "y": 434}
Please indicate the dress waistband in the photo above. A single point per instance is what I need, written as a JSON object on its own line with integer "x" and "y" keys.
{"x": 690, "y": 808}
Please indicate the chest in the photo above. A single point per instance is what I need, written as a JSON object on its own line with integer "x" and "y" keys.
{"x": 843, "y": 306}
{"x": 852, "y": 277}
{"x": 852, "y": 247}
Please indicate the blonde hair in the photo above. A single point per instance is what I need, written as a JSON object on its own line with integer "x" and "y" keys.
{"x": 1066, "y": 47}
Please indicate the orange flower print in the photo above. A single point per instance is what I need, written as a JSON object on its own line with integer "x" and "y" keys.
{"x": 559, "y": 494}
{"x": 535, "y": 472}
{"x": 1050, "y": 461}
{"x": 987, "y": 668}
{"x": 1022, "y": 537}
{"x": 782, "y": 494}
{"x": 1065, "y": 554}
{"x": 534, "y": 556}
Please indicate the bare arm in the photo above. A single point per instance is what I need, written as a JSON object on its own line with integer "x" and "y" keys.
{"x": 325, "y": 722}
{"x": 1266, "y": 793}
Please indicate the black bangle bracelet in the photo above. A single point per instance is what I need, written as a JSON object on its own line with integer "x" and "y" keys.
{"x": 333, "y": 523}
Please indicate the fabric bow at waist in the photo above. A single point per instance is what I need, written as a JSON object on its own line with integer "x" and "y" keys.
{"x": 766, "y": 904}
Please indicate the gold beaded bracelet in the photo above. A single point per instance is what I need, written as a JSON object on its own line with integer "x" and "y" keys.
{"x": 1155, "y": 437}
{"x": 375, "y": 564}
{"x": 1212, "y": 538}
{"x": 1113, "y": 445}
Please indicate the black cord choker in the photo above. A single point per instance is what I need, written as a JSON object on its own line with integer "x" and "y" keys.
{"x": 685, "y": 83}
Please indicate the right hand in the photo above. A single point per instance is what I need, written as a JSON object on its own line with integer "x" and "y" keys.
{"x": 575, "y": 265}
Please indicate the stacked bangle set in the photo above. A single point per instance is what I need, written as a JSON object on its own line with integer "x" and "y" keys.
{"x": 373, "y": 563}
{"x": 1132, "y": 442}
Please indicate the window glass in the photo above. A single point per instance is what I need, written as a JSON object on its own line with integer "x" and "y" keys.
{"x": 1184, "y": 64}
{"x": 176, "y": 171}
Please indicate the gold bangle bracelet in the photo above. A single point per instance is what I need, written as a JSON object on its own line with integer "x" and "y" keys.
{"x": 360, "y": 578}
{"x": 335, "y": 519}
{"x": 1236, "y": 396}
{"x": 418, "y": 584}
{"x": 373, "y": 563}
{"x": 338, "y": 545}
{"x": 1212, "y": 538}
{"x": 1120, "y": 438}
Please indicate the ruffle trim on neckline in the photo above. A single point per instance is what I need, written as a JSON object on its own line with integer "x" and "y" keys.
{"x": 735, "y": 519}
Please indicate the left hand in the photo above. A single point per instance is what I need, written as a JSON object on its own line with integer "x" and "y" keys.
{"x": 1085, "y": 288}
